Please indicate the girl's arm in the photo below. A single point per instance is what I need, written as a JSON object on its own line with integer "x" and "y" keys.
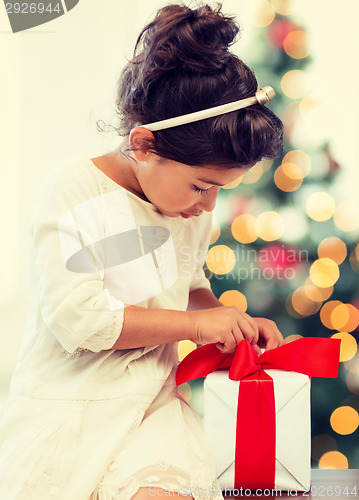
{"x": 142, "y": 326}
{"x": 202, "y": 298}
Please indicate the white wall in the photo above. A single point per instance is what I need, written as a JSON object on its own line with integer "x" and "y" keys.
{"x": 58, "y": 78}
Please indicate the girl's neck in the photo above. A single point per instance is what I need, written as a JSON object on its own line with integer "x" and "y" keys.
{"x": 120, "y": 169}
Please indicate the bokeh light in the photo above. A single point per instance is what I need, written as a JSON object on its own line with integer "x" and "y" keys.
{"x": 345, "y": 317}
{"x": 288, "y": 177}
{"x": 216, "y": 231}
{"x": 220, "y": 259}
{"x": 244, "y": 228}
{"x": 312, "y": 104}
{"x": 348, "y": 345}
{"x": 346, "y": 216}
{"x": 333, "y": 248}
{"x": 284, "y": 7}
{"x": 254, "y": 174}
{"x": 264, "y": 15}
{"x": 234, "y": 298}
{"x": 299, "y": 158}
{"x": 185, "y": 391}
{"x": 315, "y": 293}
{"x": 296, "y": 44}
{"x": 184, "y": 348}
{"x": 344, "y": 420}
{"x": 269, "y": 226}
{"x": 326, "y": 312}
{"x": 292, "y": 338}
{"x": 233, "y": 184}
{"x": 324, "y": 272}
{"x": 333, "y": 460}
{"x": 295, "y": 224}
{"x": 321, "y": 444}
{"x": 294, "y": 84}
{"x": 302, "y": 304}
{"x": 320, "y": 206}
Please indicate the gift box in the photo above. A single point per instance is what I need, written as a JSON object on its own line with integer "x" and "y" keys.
{"x": 257, "y": 409}
{"x": 292, "y": 423}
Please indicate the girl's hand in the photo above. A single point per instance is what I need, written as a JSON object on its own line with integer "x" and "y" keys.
{"x": 269, "y": 335}
{"x": 227, "y": 326}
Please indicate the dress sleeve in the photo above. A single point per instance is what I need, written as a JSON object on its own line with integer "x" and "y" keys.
{"x": 68, "y": 261}
{"x": 199, "y": 279}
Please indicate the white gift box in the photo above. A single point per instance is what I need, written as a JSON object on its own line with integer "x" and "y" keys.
{"x": 292, "y": 409}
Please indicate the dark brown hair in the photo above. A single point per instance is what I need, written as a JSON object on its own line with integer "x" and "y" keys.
{"x": 182, "y": 64}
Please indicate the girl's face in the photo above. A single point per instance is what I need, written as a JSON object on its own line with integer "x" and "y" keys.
{"x": 179, "y": 190}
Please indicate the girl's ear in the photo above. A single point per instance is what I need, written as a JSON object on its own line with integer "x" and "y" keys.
{"x": 141, "y": 139}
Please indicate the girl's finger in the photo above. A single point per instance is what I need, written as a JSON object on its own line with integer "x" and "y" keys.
{"x": 247, "y": 330}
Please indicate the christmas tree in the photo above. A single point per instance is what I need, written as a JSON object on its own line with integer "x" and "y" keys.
{"x": 284, "y": 247}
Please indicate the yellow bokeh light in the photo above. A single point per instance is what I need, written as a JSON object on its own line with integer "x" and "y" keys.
{"x": 288, "y": 177}
{"x": 324, "y": 272}
{"x": 348, "y": 345}
{"x": 294, "y": 84}
{"x": 234, "y": 298}
{"x": 269, "y": 226}
{"x": 264, "y": 14}
{"x": 345, "y": 317}
{"x": 253, "y": 174}
{"x": 284, "y": 7}
{"x": 315, "y": 293}
{"x": 357, "y": 252}
{"x": 233, "y": 184}
{"x": 340, "y": 316}
{"x": 299, "y": 158}
{"x": 344, "y": 420}
{"x": 184, "y": 348}
{"x": 216, "y": 231}
{"x": 326, "y": 312}
{"x": 220, "y": 259}
{"x": 333, "y": 248}
{"x": 290, "y": 308}
{"x": 244, "y": 228}
{"x": 296, "y": 44}
{"x": 291, "y": 338}
{"x": 346, "y": 216}
{"x": 310, "y": 103}
{"x": 266, "y": 165}
{"x": 322, "y": 443}
{"x": 333, "y": 460}
{"x": 185, "y": 391}
{"x": 320, "y": 206}
{"x": 302, "y": 304}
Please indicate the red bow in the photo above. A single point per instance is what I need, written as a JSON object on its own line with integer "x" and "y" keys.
{"x": 255, "y": 437}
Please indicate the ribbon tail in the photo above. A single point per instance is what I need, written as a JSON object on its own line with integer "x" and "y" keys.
{"x": 256, "y": 434}
{"x": 200, "y": 362}
{"x": 313, "y": 356}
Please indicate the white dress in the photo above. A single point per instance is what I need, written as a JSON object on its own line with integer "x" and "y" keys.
{"x": 82, "y": 421}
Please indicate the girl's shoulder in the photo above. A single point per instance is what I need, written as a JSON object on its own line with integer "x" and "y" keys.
{"x": 68, "y": 183}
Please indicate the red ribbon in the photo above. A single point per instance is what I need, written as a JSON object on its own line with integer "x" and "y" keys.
{"x": 256, "y": 430}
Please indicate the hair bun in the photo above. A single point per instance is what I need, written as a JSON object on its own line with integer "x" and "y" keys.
{"x": 192, "y": 40}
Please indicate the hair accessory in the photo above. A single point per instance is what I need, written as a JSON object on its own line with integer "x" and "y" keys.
{"x": 262, "y": 96}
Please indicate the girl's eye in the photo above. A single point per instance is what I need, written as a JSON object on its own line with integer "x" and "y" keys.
{"x": 199, "y": 190}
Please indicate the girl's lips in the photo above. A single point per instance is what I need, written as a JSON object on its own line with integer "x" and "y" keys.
{"x": 187, "y": 216}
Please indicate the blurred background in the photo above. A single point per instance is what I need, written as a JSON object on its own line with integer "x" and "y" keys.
{"x": 285, "y": 238}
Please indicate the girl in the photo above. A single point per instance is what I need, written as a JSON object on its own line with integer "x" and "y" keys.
{"x": 118, "y": 243}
